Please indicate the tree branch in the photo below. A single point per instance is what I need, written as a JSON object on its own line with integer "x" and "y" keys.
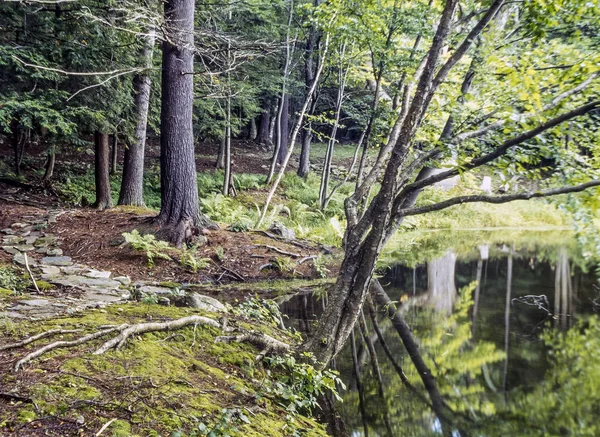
{"x": 497, "y": 199}
{"x": 502, "y": 149}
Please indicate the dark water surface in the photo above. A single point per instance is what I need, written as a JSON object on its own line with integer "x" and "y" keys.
{"x": 505, "y": 322}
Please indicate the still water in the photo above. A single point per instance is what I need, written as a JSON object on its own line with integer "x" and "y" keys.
{"x": 505, "y": 322}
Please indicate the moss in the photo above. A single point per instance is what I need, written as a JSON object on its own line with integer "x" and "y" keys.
{"x": 44, "y": 286}
{"x": 169, "y": 284}
{"x": 164, "y": 382}
{"x": 5, "y": 292}
{"x": 119, "y": 428}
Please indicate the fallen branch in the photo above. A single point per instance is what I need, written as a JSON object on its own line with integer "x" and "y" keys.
{"x": 37, "y": 337}
{"x": 278, "y": 250}
{"x": 306, "y": 258}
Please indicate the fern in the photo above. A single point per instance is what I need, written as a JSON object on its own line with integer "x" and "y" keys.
{"x": 148, "y": 244}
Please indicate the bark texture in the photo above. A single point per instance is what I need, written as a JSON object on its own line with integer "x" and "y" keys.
{"x": 132, "y": 184}
{"x": 265, "y": 121}
{"x": 284, "y": 130}
{"x": 180, "y": 212}
{"x": 103, "y": 195}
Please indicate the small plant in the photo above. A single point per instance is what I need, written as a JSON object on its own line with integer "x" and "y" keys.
{"x": 299, "y": 385}
{"x": 220, "y": 253}
{"x": 149, "y": 244}
{"x": 11, "y": 280}
{"x": 189, "y": 260}
{"x": 320, "y": 267}
{"x": 263, "y": 310}
{"x": 226, "y": 425}
{"x": 239, "y": 226}
{"x": 284, "y": 265}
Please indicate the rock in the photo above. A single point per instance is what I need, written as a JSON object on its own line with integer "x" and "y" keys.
{"x": 31, "y": 239}
{"x": 54, "y": 252}
{"x": 124, "y": 280}
{"x": 96, "y": 284}
{"x": 8, "y": 231}
{"x": 207, "y": 303}
{"x": 19, "y": 258}
{"x": 285, "y": 233}
{"x": 57, "y": 260}
{"x": 486, "y": 185}
{"x": 50, "y": 272}
{"x": 45, "y": 241}
{"x": 12, "y": 239}
{"x": 35, "y": 302}
{"x": 163, "y": 300}
{"x": 10, "y": 249}
{"x": 25, "y": 248}
{"x": 75, "y": 269}
{"x": 151, "y": 289}
{"x": 98, "y": 274}
{"x": 19, "y": 225}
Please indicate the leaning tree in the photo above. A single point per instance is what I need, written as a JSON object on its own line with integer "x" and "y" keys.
{"x": 519, "y": 140}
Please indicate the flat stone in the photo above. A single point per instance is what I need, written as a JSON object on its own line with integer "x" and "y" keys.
{"x": 19, "y": 225}
{"x": 54, "y": 252}
{"x": 207, "y": 303}
{"x": 11, "y": 315}
{"x": 10, "y": 249}
{"x": 52, "y": 218}
{"x": 50, "y": 270}
{"x": 151, "y": 289}
{"x": 25, "y": 248}
{"x": 86, "y": 283}
{"x": 124, "y": 280}
{"x": 8, "y": 231}
{"x": 98, "y": 274}
{"x": 45, "y": 241}
{"x": 30, "y": 239}
{"x": 12, "y": 239}
{"x": 19, "y": 258}
{"x": 74, "y": 269}
{"x": 57, "y": 260}
{"x": 35, "y": 302}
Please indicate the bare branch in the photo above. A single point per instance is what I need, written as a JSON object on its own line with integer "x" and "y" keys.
{"x": 497, "y": 199}
{"x": 503, "y": 148}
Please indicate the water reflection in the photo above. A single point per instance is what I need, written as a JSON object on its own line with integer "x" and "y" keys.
{"x": 486, "y": 313}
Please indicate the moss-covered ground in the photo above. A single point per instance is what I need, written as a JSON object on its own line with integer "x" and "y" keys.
{"x": 179, "y": 383}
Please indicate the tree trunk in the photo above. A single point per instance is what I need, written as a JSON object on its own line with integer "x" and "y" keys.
{"x": 132, "y": 184}
{"x": 220, "y": 164}
{"x": 103, "y": 196}
{"x": 180, "y": 210}
{"x": 114, "y": 153}
{"x": 304, "y": 165}
{"x": 49, "y": 171}
{"x": 253, "y": 130}
{"x": 265, "y": 121}
{"x": 284, "y": 130}
{"x": 15, "y": 141}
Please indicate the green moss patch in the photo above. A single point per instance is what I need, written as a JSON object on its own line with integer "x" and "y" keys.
{"x": 157, "y": 384}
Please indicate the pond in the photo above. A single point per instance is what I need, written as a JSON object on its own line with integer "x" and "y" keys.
{"x": 506, "y": 322}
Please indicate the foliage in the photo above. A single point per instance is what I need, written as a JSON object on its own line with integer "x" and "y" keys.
{"x": 10, "y": 279}
{"x": 262, "y": 310}
{"x": 188, "y": 258}
{"x": 300, "y": 385}
{"x": 148, "y": 244}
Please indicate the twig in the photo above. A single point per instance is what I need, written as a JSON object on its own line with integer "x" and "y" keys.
{"x": 30, "y": 274}
{"x": 106, "y": 425}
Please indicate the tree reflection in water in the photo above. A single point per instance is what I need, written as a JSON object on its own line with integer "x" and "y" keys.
{"x": 499, "y": 350}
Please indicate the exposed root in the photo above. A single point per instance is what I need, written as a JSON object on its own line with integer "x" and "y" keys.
{"x": 62, "y": 344}
{"x": 265, "y": 342}
{"x": 37, "y": 337}
{"x": 262, "y": 341}
{"x": 129, "y": 330}
{"x": 278, "y": 250}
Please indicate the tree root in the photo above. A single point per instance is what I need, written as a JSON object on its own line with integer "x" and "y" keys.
{"x": 141, "y": 328}
{"x": 37, "y": 337}
{"x": 63, "y": 344}
{"x": 263, "y": 341}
